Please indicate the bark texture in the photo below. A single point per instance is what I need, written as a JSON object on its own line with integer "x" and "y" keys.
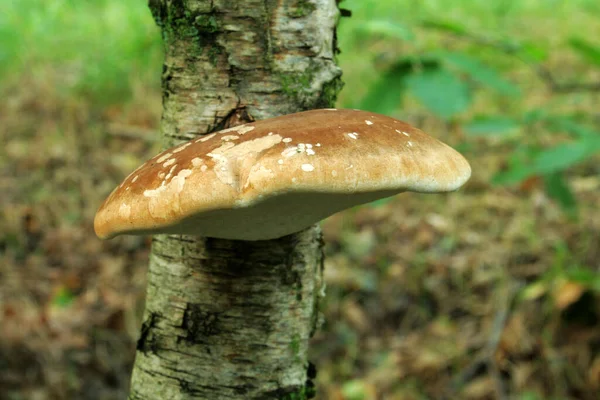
{"x": 232, "y": 319}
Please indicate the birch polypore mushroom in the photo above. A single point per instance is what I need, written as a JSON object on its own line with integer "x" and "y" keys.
{"x": 271, "y": 178}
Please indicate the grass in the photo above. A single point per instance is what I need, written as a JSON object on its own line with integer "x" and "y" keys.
{"x": 466, "y": 295}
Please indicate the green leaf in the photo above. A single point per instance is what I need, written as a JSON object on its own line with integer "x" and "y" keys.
{"x": 446, "y": 26}
{"x": 529, "y": 396}
{"x": 561, "y": 123}
{"x": 491, "y": 126}
{"x": 440, "y": 91}
{"x": 513, "y": 175}
{"x": 354, "y": 390}
{"x": 389, "y": 29}
{"x": 533, "y": 52}
{"x": 549, "y": 161}
{"x": 586, "y": 49}
{"x": 381, "y": 202}
{"x": 585, "y": 276}
{"x": 480, "y": 73}
{"x": 563, "y": 156}
{"x": 385, "y": 95}
{"x": 558, "y": 189}
{"x": 568, "y": 124}
{"x": 535, "y": 115}
{"x": 63, "y": 297}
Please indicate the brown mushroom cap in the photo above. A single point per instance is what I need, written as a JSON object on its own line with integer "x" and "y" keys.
{"x": 274, "y": 177}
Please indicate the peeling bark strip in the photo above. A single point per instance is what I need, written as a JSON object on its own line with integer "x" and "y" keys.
{"x": 232, "y": 319}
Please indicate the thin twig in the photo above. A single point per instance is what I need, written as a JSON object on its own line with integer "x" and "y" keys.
{"x": 492, "y": 346}
{"x": 541, "y": 71}
{"x": 486, "y": 360}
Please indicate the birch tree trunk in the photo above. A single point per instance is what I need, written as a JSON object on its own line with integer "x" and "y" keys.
{"x": 232, "y": 319}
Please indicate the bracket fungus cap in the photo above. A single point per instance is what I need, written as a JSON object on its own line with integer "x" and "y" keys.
{"x": 277, "y": 176}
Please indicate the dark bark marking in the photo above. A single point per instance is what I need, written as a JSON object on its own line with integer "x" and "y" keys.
{"x": 238, "y": 116}
{"x": 147, "y": 341}
{"x": 345, "y": 13}
{"x": 199, "y": 324}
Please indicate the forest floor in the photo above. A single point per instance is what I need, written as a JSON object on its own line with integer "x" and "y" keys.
{"x": 491, "y": 292}
{"x": 471, "y": 295}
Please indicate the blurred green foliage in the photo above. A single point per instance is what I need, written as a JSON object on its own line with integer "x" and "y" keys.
{"x": 449, "y": 83}
{"x": 93, "y": 47}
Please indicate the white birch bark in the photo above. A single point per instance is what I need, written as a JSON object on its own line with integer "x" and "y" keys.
{"x": 232, "y": 319}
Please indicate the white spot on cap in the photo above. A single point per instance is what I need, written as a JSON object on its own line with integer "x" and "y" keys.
{"x": 368, "y": 122}
{"x": 155, "y": 192}
{"x": 290, "y": 151}
{"x": 307, "y": 167}
{"x": 179, "y": 180}
{"x": 203, "y": 168}
{"x": 245, "y": 129}
{"x": 241, "y": 129}
{"x": 270, "y": 133}
{"x": 184, "y": 173}
{"x": 350, "y": 166}
{"x": 205, "y": 138}
{"x": 135, "y": 178}
{"x": 258, "y": 172}
{"x": 231, "y": 158}
{"x": 330, "y": 109}
{"x": 169, "y": 162}
{"x": 161, "y": 175}
{"x": 402, "y": 132}
{"x": 171, "y": 172}
{"x": 183, "y": 146}
{"x": 164, "y": 157}
{"x": 279, "y": 162}
{"x": 352, "y": 135}
{"x": 124, "y": 211}
{"x": 300, "y": 148}
{"x": 410, "y": 144}
{"x": 334, "y": 172}
{"x": 227, "y": 138}
{"x": 197, "y": 161}
{"x": 287, "y": 140}
{"x": 318, "y": 144}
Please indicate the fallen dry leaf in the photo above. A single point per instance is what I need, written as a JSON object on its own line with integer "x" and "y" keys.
{"x": 567, "y": 293}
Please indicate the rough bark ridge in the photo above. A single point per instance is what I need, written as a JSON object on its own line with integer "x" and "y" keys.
{"x": 274, "y": 57}
{"x": 232, "y": 319}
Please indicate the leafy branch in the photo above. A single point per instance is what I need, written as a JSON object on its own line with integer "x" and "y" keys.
{"x": 528, "y": 54}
